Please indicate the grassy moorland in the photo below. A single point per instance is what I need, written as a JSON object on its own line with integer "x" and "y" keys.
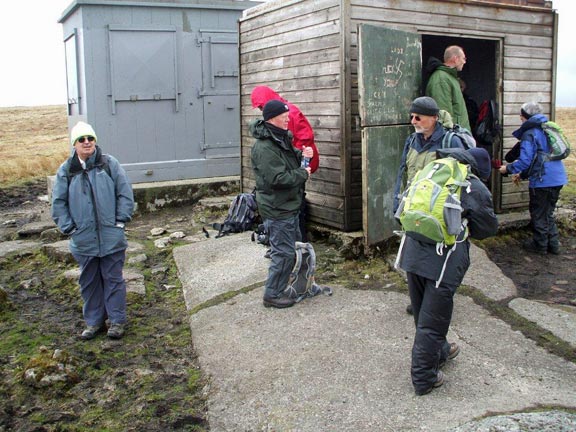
{"x": 34, "y": 141}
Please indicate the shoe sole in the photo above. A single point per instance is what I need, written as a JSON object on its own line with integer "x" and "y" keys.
{"x": 277, "y": 306}
{"x": 115, "y": 336}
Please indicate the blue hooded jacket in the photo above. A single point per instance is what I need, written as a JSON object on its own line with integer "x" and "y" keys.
{"x": 532, "y": 139}
{"x": 90, "y": 205}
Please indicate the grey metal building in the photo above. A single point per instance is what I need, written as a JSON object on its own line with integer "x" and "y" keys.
{"x": 158, "y": 80}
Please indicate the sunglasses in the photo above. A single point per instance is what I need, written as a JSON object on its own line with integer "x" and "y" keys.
{"x": 415, "y": 117}
{"x": 84, "y": 138}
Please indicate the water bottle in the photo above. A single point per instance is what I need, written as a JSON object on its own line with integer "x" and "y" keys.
{"x": 305, "y": 162}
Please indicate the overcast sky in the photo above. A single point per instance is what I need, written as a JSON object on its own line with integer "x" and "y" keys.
{"x": 32, "y": 70}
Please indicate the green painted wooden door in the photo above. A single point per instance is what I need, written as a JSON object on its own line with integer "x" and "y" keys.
{"x": 389, "y": 78}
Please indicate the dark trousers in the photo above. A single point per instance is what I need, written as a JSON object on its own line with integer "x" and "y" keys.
{"x": 432, "y": 315}
{"x": 542, "y": 205}
{"x": 302, "y": 218}
{"x": 103, "y": 288}
{"x": 284, "y": 233}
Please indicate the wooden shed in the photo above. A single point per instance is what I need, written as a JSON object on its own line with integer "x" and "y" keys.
{"x": 353, "y": 67}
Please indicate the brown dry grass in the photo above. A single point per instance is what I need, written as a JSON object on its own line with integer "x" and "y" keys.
{"x": 566, "y": 118}
{"x": 33, "y": 142}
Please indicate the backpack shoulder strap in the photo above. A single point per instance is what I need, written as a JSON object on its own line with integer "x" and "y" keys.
{"x": 447, "y": 139}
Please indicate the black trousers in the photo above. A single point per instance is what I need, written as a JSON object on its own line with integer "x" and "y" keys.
{"x": 302, "y": 218}
{"x": 432, "y": 316}
{"x": 542, "y": 205}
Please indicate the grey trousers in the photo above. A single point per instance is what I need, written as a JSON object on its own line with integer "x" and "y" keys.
{"x": 103, "y": 288}
{"x": 284, "y": 233}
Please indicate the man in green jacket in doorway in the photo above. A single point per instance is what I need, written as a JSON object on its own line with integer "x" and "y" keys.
{"x": 443, "y": 85}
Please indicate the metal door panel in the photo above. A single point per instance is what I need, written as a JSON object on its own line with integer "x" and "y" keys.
{"x": 389, "y": 76}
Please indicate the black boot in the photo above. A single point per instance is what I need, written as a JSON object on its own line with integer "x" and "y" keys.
{"x": 278, "y": 302}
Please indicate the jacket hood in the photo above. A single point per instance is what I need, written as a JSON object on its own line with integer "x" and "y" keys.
{"x": 435, "y": 64}
{"x": 459, "y": 154}
{"x": 432, "y": 64}
{"x": 535, "y": 121}
{"x": 81, "y": 129}
{"x": 260, "y": 131}
{"x": 262, "y": 94}
{"x": 95, "y": 160}
{"x": 477, "y": 158}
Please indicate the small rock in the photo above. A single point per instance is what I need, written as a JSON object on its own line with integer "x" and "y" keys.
{"x": 156, "y": 270}
{"x": 177, "y": 235}
{"x": 9, "y": 223}
{"x": 162, "y": 242}
{"x": 73, "y": 274}
{"x": 157, "y": 231}
{"x": 31, "y": 283}
{"x": 140, "y": 258}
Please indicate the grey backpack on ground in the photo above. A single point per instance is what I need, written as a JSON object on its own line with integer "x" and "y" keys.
{"x": 241, "y": 217}
{"x": 302, "y": 283}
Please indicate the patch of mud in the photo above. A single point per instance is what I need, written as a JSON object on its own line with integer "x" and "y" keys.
{"x": 548, "y": 278}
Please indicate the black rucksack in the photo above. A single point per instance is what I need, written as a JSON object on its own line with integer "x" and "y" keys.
{"x": 242, "y": 215}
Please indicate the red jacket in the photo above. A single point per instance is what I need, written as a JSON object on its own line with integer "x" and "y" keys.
{"x": 297, "y": 123}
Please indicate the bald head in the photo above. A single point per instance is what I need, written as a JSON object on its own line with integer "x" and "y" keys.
{"x": 454, "y": 57}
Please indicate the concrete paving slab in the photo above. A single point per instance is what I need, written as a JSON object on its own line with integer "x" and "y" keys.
{"x": 561, "y": 321}
{"x": 218, "y": 265}
{"x": 343, "y": 363}
{"x": 485, "y": 276}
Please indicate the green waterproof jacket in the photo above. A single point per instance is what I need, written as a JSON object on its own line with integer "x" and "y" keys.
{"x": 279, "y": 178}
{"x": 444, "y": 88}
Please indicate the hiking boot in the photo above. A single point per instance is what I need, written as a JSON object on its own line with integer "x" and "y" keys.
{"x": 452, "y": 354}
{"x": 531, "y": 247}
{"x": 278, "y": 302}
{"x": 409, "y": 309}
{"x": 90, "y": 332}
{"x": 116, "y": 331}
{"x": 439, "y": 381}
{"x": 554, "y": 250}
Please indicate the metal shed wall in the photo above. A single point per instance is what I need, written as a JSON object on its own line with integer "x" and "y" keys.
{"x": 307, "y": 51}
{"x": 158, "y": 81}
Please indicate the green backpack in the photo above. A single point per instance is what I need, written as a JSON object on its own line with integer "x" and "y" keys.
{"x": 559, "y": 146}
{"x": 430, "y": 209}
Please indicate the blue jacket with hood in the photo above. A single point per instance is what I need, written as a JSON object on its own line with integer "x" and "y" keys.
{"x": 532, "y": 139}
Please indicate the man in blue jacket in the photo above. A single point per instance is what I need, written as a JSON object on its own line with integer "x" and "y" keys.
{"x": 546, "y": 179}
{"x": 91, "y": 202}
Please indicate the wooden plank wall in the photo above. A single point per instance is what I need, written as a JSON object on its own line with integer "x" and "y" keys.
{"x": 297, "y": 48}
{"x": 528, "y": 52}
{"x": 294, "y": 47}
